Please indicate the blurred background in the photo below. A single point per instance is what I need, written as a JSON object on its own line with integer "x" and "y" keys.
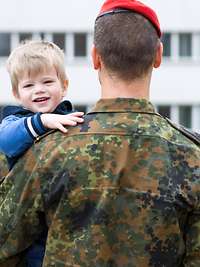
{"x": 175, "y": 88}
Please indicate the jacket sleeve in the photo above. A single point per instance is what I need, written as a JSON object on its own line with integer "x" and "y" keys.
{"x": 192, "y": 238}
{"x": 20, "y": 221}
{"x": 191, "y": 230}
{"x": 22, "y": 202}
{"x": 18, "y": 134}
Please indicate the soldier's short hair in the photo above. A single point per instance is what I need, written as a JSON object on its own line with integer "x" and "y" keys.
{"x": 127, "y": 43}
{"x": 33, "y": 57}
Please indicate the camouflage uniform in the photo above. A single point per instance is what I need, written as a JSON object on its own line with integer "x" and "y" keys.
{"x": 3, "y": 166}
{"x": 120, "y": 190}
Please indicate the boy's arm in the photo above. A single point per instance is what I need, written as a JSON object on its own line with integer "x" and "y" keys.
{"x": 18, "y": 134}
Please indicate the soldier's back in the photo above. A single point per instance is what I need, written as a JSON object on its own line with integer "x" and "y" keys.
{"x": 140, "y": 198}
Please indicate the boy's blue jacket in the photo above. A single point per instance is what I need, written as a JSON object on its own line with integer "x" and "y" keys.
{"x": 20, "y": 127}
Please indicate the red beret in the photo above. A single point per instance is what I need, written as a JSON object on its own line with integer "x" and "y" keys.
{"x": 110, "y": 6}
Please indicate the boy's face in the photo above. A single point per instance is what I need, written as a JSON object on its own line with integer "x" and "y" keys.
{"x": 42, "y": 92}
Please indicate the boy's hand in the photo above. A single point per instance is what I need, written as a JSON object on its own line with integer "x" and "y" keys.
{"x": 57, "y": 121}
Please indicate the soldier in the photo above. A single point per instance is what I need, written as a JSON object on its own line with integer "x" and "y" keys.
{"x": 122, "y": 189}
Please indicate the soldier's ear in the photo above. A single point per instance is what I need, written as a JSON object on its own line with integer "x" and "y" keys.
{"x": 96, "y": 59}
{"x": 158, "y": 57}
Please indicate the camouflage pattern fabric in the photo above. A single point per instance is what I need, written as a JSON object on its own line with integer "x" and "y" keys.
{"x": 3, "y": 167}
{"x": 120, "y": 190}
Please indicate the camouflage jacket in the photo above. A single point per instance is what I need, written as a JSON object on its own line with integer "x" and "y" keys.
{"x": 3, "y": 166}
{"x": 120, "y": 190}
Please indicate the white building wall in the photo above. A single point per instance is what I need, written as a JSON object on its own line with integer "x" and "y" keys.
{"x": 20, "y": 15}
{"x": 177, "y": 15}
{"x": 175, "y": 83}
{"x": 44, "y": 15}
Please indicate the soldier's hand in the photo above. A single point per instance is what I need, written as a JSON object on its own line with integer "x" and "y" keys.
{"x": 57, "y": 121}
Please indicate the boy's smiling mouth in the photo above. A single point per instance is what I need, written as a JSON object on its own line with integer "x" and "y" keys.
{"x": 41, "y": 99}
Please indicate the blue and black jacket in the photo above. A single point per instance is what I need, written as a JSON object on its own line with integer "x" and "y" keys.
{"x": 20, "y": 127}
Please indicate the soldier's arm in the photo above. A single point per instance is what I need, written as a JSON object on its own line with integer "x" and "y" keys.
{"x": 192, "y": 238}
{"x": 191, "y": 232}
{"x": 22, "y": 198}
{"x": 15, "y": 261}
{"x": 20, "y": 208}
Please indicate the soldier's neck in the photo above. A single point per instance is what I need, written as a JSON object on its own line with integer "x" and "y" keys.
{"x": 114, "y": 88}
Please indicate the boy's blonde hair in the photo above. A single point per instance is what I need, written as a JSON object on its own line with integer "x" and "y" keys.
{"x": 34, "y": 57}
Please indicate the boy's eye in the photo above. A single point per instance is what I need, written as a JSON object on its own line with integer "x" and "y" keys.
{"x": 28, "y": 85}
{"x": 48, "y": 81}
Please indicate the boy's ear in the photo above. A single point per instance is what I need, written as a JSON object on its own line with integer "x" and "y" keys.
{"x": 65, "y": 83}
{"x": 158, "y": 58}
{"x": 65, "y": 86}
{"x": 96, "y": 59}
{"x": 15, "y": 93}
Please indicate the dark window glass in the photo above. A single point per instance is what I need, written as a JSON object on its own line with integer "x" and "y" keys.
{"x": 1, "y": 113}
{"x": 185, "y": 44}
{"x": 185, "y": 116}
{"x": 164, "y": 111}
{"x": 42, "y": 36}
{"x": 5, "y": 44}
{"x": 25, "y": 36}
{"x": 80, "y": 44}
{"x": 166, "y": 39}
{"x": 82, "y": 108}
{"x": 59, "y": 39}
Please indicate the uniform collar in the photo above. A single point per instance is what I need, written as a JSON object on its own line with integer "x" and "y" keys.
{"x": 123, "y": 105}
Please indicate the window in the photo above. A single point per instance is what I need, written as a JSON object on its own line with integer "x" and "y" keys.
{"x": 42, "y": 36}
{"x": 80, "y": 44}
{"x": 25, "y": 36}
{"x": 164, "y": 111}
{"x": 80, "y": 108}
{"x": 1, "y": 113}
{"x": 4, "y": 44}
{"x": 185, "y": 45}
{"x": 185, "y": 116}
{"x": 59, "y": 39}
{"x": 166, "y": 39}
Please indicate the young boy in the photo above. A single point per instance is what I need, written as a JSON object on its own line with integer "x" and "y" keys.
{"x": 39, "y": 83}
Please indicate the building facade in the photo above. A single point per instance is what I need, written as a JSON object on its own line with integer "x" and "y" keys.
{"x": 175, "y": 86}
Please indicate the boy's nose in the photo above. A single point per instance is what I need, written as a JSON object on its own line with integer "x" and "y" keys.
{"x": 39, "y": 88}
